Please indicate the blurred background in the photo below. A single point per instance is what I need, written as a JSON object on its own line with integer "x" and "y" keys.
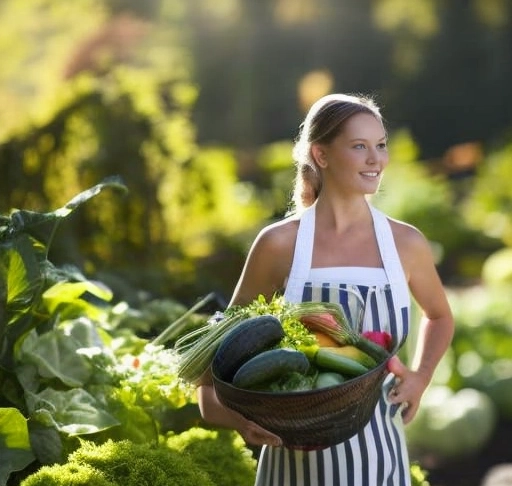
{"x": 196, "y": 104}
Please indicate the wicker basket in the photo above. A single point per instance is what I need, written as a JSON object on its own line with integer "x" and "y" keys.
{"x": 312, "y": 419}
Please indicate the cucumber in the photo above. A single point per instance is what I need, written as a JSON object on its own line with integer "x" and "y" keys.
{"x": 331, "y": 361}
{"x": 249, "y": 338}
{"x": 269, "y": 366}
{"x": 328, "y": 378}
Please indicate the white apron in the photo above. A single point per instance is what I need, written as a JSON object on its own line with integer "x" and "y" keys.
{"x": 377, "y": 455}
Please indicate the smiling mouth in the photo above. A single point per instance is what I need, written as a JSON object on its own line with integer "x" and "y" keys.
{"x": 370, "y": 174}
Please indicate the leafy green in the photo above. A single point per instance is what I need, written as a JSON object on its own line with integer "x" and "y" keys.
{"x": 292, "y": 381}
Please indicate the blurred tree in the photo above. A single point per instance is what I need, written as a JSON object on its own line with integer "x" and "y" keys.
{"x": 457, "y": 91}
{"x": 36, "y": 40}
{"x": 122, "y": 106}
{"x": 257, "y": 56}
{"x": 489, "y": 206}
{"x": 195, "y": 105}
{"x": 441, "y": 69}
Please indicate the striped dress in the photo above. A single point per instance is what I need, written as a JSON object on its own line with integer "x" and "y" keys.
{"x": 377, "y": 455}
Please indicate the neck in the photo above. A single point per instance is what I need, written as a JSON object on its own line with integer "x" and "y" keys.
{"x": 342, "y": 214}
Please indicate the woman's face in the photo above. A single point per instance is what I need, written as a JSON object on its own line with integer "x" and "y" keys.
{"x": 354, "y": 161}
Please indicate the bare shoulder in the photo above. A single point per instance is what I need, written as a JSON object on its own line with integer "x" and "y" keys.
{"x": 407, "y": 235}
{"x": 269, "y": 261}
{"x": 275, "y": 244}
{"x": 412, "y": 245}
{"x": 279, "y": 236}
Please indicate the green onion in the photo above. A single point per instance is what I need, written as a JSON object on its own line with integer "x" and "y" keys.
{"x": 198, "y": 347}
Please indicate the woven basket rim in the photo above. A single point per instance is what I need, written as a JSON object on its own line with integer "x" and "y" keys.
{"x": 303, "y": 393}
{"x": 289, "y": 414}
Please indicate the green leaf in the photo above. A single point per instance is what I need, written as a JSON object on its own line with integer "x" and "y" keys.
{"x": 74, "y": 299}
{"x": 15, "y": 449}
{"x": 11, "y": 342}
{"x": 113, "y": 182}
{"x": 46, "y": 442}
{"x": 23, "y": 276}
{"x": 76, "y": 412}
{"x": 21, "y": 279}
{"x": 42, "y": 226}
{"x": 28, "y": 377}
{"x": 55, "y": 355}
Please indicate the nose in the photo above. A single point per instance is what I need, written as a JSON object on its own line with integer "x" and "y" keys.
{"x": 373, "y": 157}
{"x": 376, "y": 156}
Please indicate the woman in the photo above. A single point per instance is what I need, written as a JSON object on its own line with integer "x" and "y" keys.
{"x": 336, "y": 239}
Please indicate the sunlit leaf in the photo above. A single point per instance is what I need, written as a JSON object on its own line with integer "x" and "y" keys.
{"x": 22, "y": 278}
{"x": 109, "y": 183}
{"x": 15, "y": 449}
{"x": 76, "y": 293}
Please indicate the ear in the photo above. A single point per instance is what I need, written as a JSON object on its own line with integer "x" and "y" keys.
{"x": 319, "y": 156}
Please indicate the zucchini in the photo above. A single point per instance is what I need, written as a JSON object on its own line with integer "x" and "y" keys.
{"x": 270, "y": 365}
{"x": 332, "y": 361}
{"x": 249, "y": 338}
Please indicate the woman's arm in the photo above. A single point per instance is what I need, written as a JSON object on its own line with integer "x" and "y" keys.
{"x": 436, "y": 325}
{"x": 265, "y": 271}
{"x": 268, "y": 263}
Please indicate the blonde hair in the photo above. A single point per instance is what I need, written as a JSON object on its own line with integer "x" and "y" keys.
{"x": 323, "y": 122}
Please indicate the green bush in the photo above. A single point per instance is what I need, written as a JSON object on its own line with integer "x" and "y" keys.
{"x": 222, "y": 454}
{"x": 68, "y": 475}
{"x": 194, "y": 457}
{"x": 122, "y": 463}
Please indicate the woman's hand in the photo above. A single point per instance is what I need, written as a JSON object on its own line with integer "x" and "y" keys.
{"x": 216, "y": 413}
{"x": 253, "y": 434}
{"x": 408, "y": 388}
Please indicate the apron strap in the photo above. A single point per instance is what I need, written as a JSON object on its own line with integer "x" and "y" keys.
{"x": 391, "y": 259}
{"x": 302, "y": 257}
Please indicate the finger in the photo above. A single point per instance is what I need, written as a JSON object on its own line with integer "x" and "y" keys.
{"x": 259, "y": 436}
{"x": 395, "y": 366}
{"x": 407, "y": 412}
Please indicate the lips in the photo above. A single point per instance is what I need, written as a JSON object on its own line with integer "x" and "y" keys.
{"x": 370, "y": 174}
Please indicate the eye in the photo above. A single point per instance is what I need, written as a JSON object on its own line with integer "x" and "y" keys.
{"x": 359, "y": 146}
{"x": 382, "y": 146}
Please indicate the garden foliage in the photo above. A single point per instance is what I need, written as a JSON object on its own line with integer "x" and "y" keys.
{"x": 66, "y": 369}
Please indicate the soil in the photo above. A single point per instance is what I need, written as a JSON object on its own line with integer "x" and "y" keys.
{"x": 470, "y": 471}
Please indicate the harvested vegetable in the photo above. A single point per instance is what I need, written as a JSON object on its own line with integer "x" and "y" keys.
{"x": 382, "y": 338}
{"x": 328, "y": 378}
{"x": 329, "y": 318}
{"x": 301, "y": 322}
